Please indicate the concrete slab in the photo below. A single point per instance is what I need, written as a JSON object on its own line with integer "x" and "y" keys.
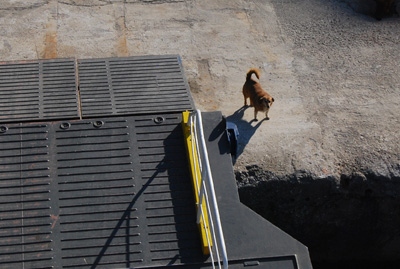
{"x": 332, "y": 71}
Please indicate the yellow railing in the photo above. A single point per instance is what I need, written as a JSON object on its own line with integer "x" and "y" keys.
{"x": 208, "y": 218}
{"x": 194, "y": 166}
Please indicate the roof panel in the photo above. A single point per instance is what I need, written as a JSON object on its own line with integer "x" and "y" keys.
{"x": 29, "y": 90}
{"x": 118, "y": 86}
{"x": 85, "y": 193}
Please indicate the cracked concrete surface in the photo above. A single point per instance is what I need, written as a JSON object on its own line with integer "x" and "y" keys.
{"x": 334, "y": 73}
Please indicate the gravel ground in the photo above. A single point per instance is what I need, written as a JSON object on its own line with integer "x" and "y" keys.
{"x": 348, "y": 68}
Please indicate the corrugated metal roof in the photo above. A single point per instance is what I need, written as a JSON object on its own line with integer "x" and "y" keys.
{"x": 111, "y": 191}
{"x": 134, "y": 85}
{"x": 38, "y": 90}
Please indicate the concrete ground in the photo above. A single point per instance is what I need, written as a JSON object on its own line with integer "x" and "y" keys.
{"x": 333, "y": 73}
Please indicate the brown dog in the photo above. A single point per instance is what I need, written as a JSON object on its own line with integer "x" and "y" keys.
{"x": 259, "y": 98}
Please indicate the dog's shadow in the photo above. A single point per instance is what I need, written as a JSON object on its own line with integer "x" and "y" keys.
{"x": 246, "y": 128}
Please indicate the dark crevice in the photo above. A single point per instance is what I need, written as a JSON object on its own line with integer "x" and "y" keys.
{"x": 378, "y": 9}
{"x": 352, "y": 219}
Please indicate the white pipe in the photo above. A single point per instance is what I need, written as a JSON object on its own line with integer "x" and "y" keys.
{"x": 201, "y": 197}
{"x": 193, "y": 155}
{"x": 208, "y": 238}
{"x": 193, "y": 135}
{"x": 211, "y": 184}
{"x": 212, "y": 229}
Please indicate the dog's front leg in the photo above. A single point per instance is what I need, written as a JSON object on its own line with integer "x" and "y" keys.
{"x": 266, "y": 114}
{"x": 255, "y": 114}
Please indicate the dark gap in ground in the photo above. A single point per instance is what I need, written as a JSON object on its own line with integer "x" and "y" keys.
{"x": 378, "y": 9}
{"x": 348, "y": 222}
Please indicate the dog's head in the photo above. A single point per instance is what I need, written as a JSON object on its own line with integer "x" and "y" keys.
{"x": 267, "y": 101}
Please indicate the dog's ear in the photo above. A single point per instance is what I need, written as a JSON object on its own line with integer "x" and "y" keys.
{"x": 273, "y": 100}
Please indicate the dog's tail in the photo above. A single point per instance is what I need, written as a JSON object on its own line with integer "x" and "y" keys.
{"x": 251, "y": 72}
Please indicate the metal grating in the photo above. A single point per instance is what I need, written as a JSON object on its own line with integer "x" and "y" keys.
{"x": 96, "y": 195}
{"x": 112, "y": 192}
{"x": 37, "y": 90}
{"x": 168, "y": 199}
{"x": 134, "y": 85}
{"x": 25, "y": 214}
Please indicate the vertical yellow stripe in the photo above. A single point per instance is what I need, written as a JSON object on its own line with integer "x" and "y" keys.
{"x": 195, "y": 169}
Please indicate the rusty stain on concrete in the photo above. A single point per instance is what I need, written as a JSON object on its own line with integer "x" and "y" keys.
{"x": 121, "y": 45}
{"x": 50, "y": 41}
